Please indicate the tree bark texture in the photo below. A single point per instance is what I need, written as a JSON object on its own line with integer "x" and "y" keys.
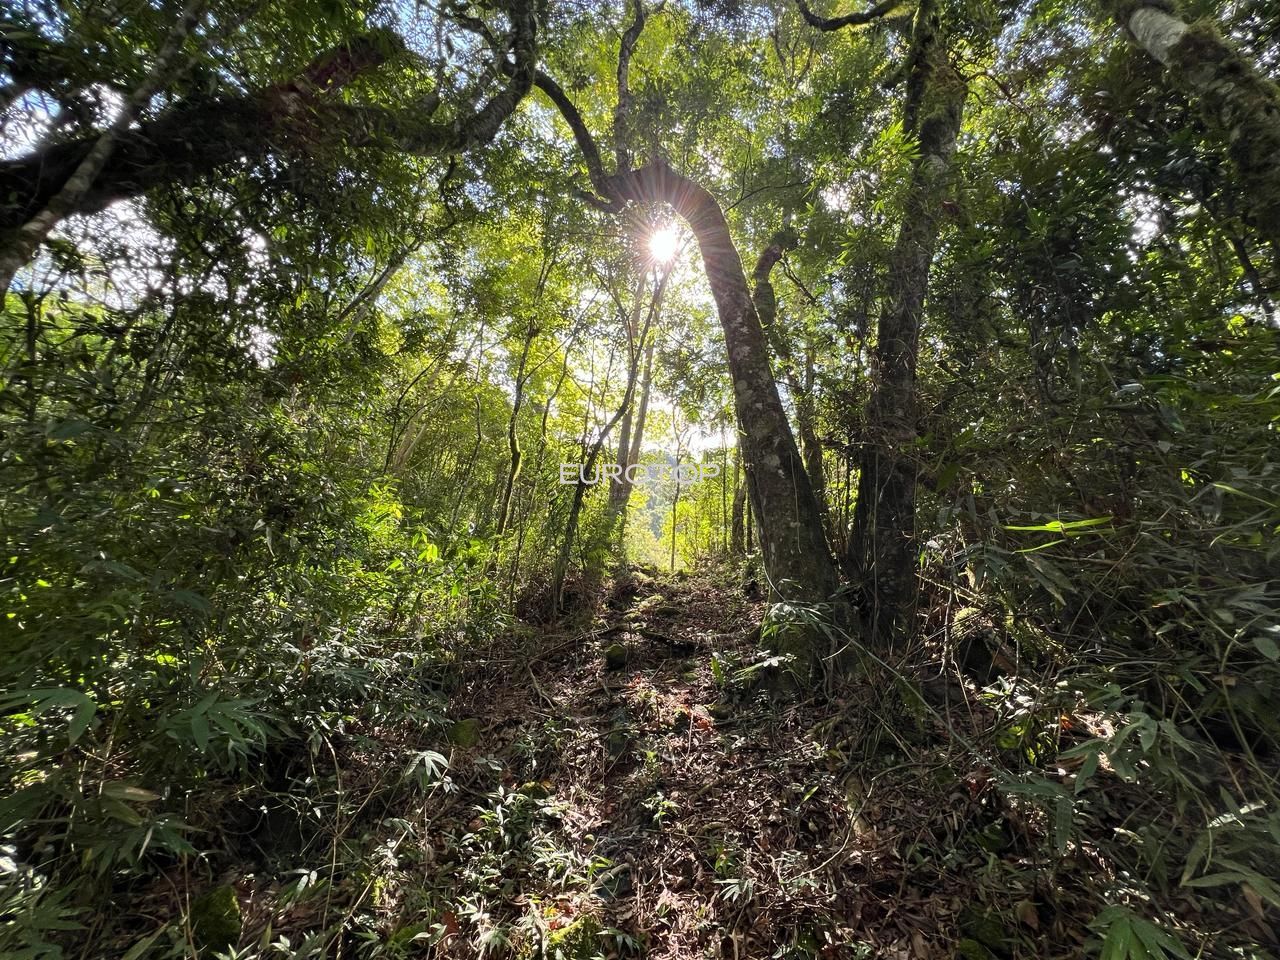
{"x": 883, "y": 548}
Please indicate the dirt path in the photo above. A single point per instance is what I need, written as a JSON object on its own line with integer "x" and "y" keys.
{"x": 626, "y": 787}
{"x": 667, "y": 803}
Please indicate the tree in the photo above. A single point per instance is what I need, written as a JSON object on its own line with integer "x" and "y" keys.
{"x": 1239, "y": 104}
{"x": 883, "y": 546}
{"x": 790, "y": 523}
{"x": 197, "y": 135}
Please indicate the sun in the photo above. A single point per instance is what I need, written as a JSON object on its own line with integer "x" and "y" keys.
{"x": 664, "y": 244}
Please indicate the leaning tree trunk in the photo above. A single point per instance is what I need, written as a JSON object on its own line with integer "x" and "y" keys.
{"x": 883, "y": 546}
{"x": 561, "y": 568}
{"x": 790, "y": 525}
{"x": 1238, "y": 104}
{"x": 633, "y": 331}
{"x": 629, "y": 454}
{"x": 807, "y": 424}
{"x": 766, "y": 302}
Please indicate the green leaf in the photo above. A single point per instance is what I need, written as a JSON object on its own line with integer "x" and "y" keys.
{"x": 43, "y": 699}
{"x": 200, "y": 730}
{"x": 1086, "y": 772}
{"x": 193, "y": 600}
{"x": 1062, "y": 526}
{"x": 1157, "y": 942}
{"x": 1062, "y": 816}
{"x": 1119, "y": 936}
{"x": 69, "y": 429}
{"x": 1267, "y": 647}
{"x": 120, "y": 790}
{"x": 83, "y": 716}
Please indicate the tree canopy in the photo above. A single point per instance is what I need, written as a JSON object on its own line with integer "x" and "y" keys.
{"x": 768, "y": 478}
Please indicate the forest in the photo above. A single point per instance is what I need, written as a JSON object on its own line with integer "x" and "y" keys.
{"x": 565, "y": 479}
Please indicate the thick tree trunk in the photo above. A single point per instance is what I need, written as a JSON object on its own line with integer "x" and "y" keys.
{"x": 790, "y": 525}
{"x": 1240, "y": 105}
{"x": 883, "y": 547}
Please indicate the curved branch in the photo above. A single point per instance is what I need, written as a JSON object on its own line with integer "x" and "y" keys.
{"x": 196, "y": 137}
{"x": 622, "y": 110}
{"x": 882, "y": 9}
{"x": 763, "y": 295}
{"x": 782, "y": 495}
{"x": 609, "y": 202}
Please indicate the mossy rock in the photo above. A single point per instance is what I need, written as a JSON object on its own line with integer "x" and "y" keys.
{"x": 614, "y": 884}
{"x": 995, "y": 838}
{"x": 616, "y": 656}
{"x": 579, "y": 940}
{"x": 722, "y": 710}
{"x": 970, "y": 949}
{"x": 983, "y": 927}
{"x": 215, "y": 919}
{"x": 535, "y": 789}
{"x": 618, "y": 742}
{"x": 465, "y": 733}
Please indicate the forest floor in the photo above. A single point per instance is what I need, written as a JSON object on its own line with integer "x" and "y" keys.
{"x": 627, "y": 785}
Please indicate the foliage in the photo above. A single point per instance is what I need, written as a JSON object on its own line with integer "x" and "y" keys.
{"x": 283, "y": 446}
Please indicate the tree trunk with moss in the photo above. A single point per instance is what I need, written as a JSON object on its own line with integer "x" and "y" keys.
{"x": 883, "y": 548}
{"x": 1238, "y": 104}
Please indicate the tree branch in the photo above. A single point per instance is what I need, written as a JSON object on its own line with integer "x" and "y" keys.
{"x": 197, "y": 137}
{"x": 882, "y": 9}
{"x": 33, "y": 233}
{"x": 622, "y": 110}
{"x": 608, "y": 201}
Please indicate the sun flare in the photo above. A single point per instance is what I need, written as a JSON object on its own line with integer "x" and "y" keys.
{"x": 664, "y": 243}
